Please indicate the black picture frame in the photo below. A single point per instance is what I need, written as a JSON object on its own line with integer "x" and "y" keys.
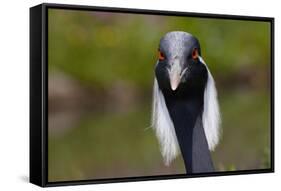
{"x": 39, "y": 93}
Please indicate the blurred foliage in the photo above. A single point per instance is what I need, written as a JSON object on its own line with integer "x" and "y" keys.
{"x": 98, "y": 48}
{"x": 110, "y": 58}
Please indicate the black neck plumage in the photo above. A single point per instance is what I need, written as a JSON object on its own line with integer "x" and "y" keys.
{"x": 186, "y": 114}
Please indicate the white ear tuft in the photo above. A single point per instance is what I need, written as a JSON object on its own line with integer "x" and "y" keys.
{"x": 211, "y": 114}
{"x": 163, "y": 126}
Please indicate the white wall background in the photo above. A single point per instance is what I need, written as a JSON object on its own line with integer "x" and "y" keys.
{"x": 14, "y": 94}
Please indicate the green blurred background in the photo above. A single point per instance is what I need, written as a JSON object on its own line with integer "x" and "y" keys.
{"x": 101, "y": 70}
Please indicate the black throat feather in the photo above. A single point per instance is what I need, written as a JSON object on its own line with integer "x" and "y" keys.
{"x": 185, "y": 109}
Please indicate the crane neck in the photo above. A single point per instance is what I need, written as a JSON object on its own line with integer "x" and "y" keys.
{"x": 186, "y": 115}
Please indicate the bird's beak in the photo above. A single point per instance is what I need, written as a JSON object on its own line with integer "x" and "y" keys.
{"x": 174, "y": 81}
{"x": 175, "y": 74}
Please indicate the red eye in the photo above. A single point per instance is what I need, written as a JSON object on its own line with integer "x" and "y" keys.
{"x": 161, "y": 55}
{"x": 195, "y": 54}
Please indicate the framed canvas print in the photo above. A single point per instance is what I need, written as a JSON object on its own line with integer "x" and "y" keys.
{"x": 127, "y": 95}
